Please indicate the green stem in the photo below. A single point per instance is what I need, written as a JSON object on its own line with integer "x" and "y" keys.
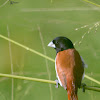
{"x": 27, "y": 78}
{"x": 27, "y": 48}
{"x": 92, "y": 3}
{"x": 92, "y": 88}
{"x": 92, "y": 79}
{"x": 44, "y": 81}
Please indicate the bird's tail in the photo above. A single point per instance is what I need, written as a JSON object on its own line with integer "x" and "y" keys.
{"x": 72, "y": 91}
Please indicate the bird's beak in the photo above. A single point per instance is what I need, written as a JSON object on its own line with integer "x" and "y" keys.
{"x": 51, "y": 44}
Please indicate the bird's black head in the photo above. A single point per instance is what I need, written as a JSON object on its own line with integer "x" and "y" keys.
{"x": 61, "y": 43}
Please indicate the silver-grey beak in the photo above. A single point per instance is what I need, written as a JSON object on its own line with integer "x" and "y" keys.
{"x": 51, "y": 44}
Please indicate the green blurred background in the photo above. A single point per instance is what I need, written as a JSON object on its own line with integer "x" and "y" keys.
{"x": 35, "y": 23}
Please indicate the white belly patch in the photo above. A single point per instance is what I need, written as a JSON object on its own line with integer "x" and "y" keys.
{"x": 57, "y": 74}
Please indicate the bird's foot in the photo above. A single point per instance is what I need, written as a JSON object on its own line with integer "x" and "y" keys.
{"x": 57, "y": 83}
{"x": 83, "y": 87}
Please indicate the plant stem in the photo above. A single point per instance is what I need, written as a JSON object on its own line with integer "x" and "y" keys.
{"x": 92, "y": 3}
{"x": 44, "y": 81}
{"x": 27, "y": 48}
{"x": 27, "y": 78}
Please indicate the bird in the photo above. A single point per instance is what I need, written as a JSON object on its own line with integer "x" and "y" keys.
{"x": 69, "y": 66}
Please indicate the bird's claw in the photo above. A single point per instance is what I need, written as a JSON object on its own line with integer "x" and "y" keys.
{"x": 83, "y": 87}
{"x": 57, "y": 83}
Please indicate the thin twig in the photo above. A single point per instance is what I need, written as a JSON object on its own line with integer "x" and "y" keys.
{"x": 92, "y": 3}
{"x": 44, "y": 81}
{"x": 4, "y": 3}
{"x": 10, "y": 53}
{"x": 46, "y": 61}
{"x": 27, "y": 48}
{"x": 27, "y": 78}
{"x": 58, "y": 9}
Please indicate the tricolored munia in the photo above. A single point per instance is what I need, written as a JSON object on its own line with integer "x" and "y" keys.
{"x": 69, "y": 66}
